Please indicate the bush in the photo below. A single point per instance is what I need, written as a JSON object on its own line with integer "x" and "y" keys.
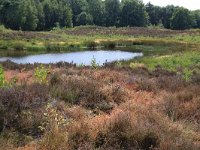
{"x": 20, "y": 108}
{"x": 54, "y": 47}
{"x": 94, "y": 64}
{"x": 109, "y": 44}
{"x": 126, "y": 132}
{"x": 145, "y": 84}
{"x": 183, "y": 105}
{"x": 19, "y": 46}
{"x": 91, "y": 44}
{"x": 41, "y": 74}
{"x": 2, "y": 78}
{"x": 88, "y": 93}
{"x": 55, "y": 135}
{"x": 2, "y": 28}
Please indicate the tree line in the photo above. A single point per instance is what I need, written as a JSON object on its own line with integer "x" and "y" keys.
{"x": 47, "y": 14}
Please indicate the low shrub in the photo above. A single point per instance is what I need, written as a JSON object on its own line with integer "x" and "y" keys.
{"x": 19, "y": 46}
{"x": 126, "y": 132}
{"x": 10, "y": 140}
{"x": 54, "y": 127}
{"x": 2, "y": 28}
{"x": 41, "y": 73}
{"x": 146, "y": 84}
{"x": 21, "y": 107}
{"x": 54, "y": 47}
{"x": 88, "y": 93}
{"x": 94, "y": 64}
{"x": 91, "y": 44}
{"x": 2, "y": 78}
{"x": 78, "y": 91}
{"x": 55, "y": 79}
{"x": 109, "y": 44}
{"x": 183, "y": 105}
{"x": 172, "y": 83}
{"x": 35, "y": 48}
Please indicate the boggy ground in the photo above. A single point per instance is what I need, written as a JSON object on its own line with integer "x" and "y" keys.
{"x": 109, "y": 108}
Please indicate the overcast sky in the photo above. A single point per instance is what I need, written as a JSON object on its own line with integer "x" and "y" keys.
{"x": 190, "y": 4}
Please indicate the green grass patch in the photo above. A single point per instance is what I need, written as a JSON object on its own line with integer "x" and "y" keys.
{"x": 182, "y": 63}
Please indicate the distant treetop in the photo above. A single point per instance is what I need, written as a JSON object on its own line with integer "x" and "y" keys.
{"x": 46, "y": 14}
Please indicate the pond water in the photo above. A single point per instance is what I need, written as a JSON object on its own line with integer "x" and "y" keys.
{"x": 84, "y": 57}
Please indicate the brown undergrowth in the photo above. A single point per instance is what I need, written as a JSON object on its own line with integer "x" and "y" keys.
{"x": 105, "y": 108}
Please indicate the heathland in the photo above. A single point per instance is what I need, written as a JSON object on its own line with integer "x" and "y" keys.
{"x": 151, "y": 102}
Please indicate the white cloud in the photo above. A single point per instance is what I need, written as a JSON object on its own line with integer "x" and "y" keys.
{"x": 190, "y": 4}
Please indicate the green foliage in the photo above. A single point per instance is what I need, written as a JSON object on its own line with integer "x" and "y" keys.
{"x": 119, "y": 64}
{"x": 183, "y": 64}
{"x": 112, "y": 11}
{"x": 81, "y": 65}
{"x": 181, "y": 19}
{"x": 155, "y": 14}
{"x": 19, "y": 46}
{"x": 57, "y": 12}
{"x": 78, "y": 6}
{"x": 41, "y": 74}
{"x": 40, "y": 17}
{"x": 133, "y": 13}
{"x": 2, "y": 28}
{"x": 52, "y": 47}
{"x": 35, "y": 15}
{"x": 97, "y": 10}
{"x": 3, "y": 82}
{"x": 2, "y": 77}
{"x": 27, "y": 13}
{"x": 167, "y": 13}
{"x": 196, "y": 15}
{"x": 84, "y": 19}
{"x": 47, "y": 14}
{"x": 94, "y": 64}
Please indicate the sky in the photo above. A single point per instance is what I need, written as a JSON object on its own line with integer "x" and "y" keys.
{"x": 190, "y": 4}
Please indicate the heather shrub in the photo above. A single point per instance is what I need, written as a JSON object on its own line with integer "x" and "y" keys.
{"x": 127, "y": 132}
{"x": 146, "y": 84}
{"x": 183, "y": 105}
{"x": 54, "y": 127}
{"x": 79, "y": 91}
{"x": 79, "y": 136}
{"x": 89, "y": 93}
{"x": 54, "y": 79}
{"x": 21, "y": 108}
{"x": 170, "y": 83}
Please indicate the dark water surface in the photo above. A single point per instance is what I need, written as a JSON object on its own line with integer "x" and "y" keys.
{"x": 79, "y": 58}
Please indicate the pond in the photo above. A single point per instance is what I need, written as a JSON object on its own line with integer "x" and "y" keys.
{"x": 79, "y": 58}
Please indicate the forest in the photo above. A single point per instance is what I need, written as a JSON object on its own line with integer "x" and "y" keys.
{"x": 99, "y": 75}
{"x": 39, "y": 15}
